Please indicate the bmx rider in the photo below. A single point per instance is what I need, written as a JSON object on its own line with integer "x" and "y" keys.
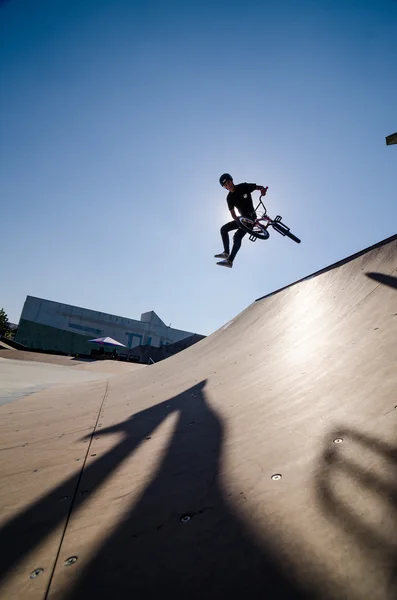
{"x": 239, "y": 197}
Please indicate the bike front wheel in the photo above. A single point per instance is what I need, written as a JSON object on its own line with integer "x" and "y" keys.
{"x": 249, "y": 226}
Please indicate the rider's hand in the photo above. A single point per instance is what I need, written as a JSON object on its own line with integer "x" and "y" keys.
{"x": 263, "y": 191}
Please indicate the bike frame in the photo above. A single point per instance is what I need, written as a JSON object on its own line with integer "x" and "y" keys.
{"x": 264, "y": 217}
{"x": 267, "y": 220}
{"x": 262, "y": 223}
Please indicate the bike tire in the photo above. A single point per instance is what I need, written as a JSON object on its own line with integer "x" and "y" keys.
{"x": 259, "y": 232}
{"x": 283, "y": 230}
{"x": 293, "y": 237}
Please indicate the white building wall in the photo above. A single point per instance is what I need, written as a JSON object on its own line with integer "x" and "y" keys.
{"x": 149, "y": 330}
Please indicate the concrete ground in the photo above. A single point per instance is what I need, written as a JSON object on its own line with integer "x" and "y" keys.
{"x": 20, "y": 378}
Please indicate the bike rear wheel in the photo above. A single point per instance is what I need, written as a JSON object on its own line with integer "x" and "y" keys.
{"x": 249, "y": 226}
{"x": 284, "y": 230}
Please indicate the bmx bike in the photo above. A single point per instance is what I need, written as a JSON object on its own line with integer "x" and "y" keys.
{"x": 258, "y": 229}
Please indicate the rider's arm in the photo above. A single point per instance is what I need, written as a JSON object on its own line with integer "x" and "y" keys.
{"x": 233, "y": 213}
{"x": 261, "y": 189}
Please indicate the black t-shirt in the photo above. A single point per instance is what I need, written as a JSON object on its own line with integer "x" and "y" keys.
{"x": 241, "y": 198}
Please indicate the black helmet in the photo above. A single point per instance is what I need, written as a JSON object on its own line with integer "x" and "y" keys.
{"x": 225, "y": 177}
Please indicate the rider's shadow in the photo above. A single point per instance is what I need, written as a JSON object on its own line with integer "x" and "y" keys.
{"x": 181, "y": 538}
{"x": 357, "y": 488}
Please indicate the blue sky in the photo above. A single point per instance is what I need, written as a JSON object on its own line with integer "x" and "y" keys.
{"x": 118, "y": 116}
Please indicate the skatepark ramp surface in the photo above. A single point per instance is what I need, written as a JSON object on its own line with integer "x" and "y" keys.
{"x": 258, "y": 463}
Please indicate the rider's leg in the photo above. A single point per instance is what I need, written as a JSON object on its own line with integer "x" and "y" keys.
{"x": 238, "y": 236}
{"x": 225, "y": 234}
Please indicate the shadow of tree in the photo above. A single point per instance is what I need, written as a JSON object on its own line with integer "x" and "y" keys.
{"x": 154, "y": 550}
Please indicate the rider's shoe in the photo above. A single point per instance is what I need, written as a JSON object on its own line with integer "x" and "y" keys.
{"x": 225, "y": 263}
{"x": 221, "y": 255}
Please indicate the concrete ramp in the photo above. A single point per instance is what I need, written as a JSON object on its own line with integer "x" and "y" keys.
{"x": 259, "y": 463}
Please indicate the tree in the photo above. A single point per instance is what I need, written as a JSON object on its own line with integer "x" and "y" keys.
{"x": 4, "y": 323}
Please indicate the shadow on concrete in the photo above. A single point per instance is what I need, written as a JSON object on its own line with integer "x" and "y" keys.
{"x": 357, "y": 488}
{"x": 389, "y": 280}
{"x": 83, "y": 359}
{"x": 154, "y": 550}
